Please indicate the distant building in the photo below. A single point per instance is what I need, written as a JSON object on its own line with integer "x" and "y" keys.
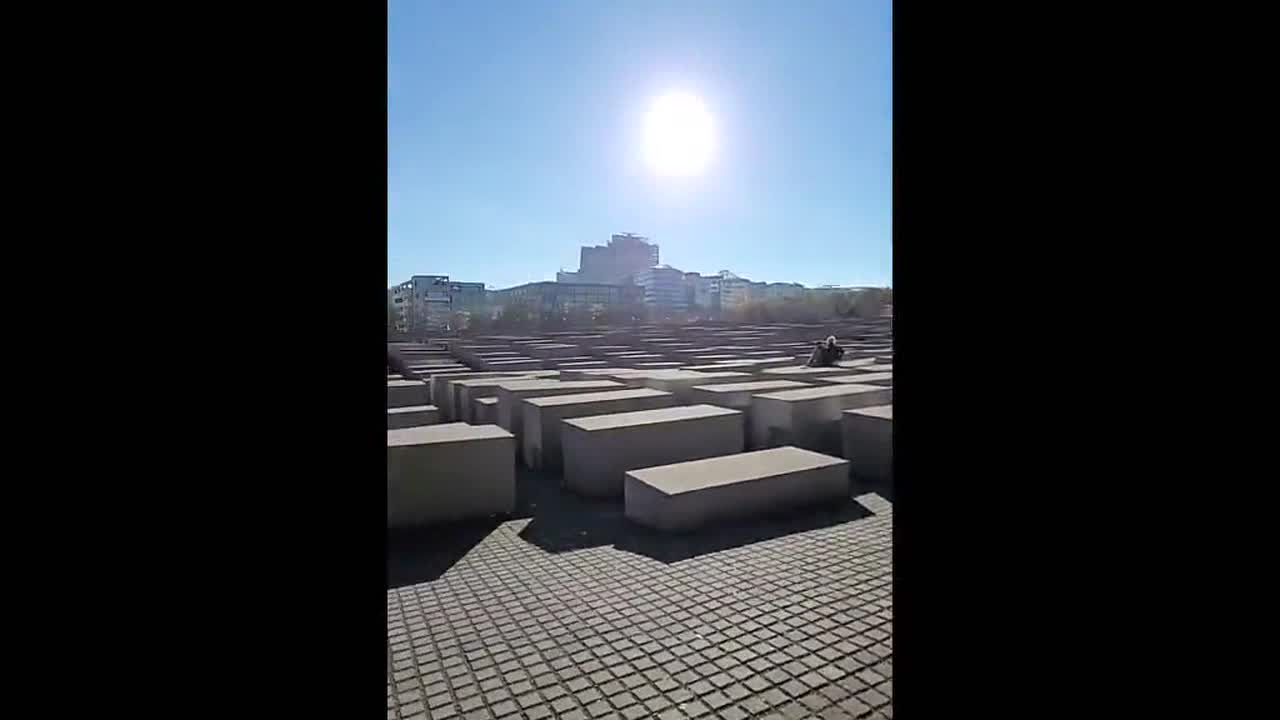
{"x": 424, "y": 304}
{"x": 467, "y": 296}
{"x": 616, "y": 263}
{"x": 734, "y": 290}
{"x": 555, "y": 297}
{"x": 567, "y": 277}
{"x": 421, "y": 304}
{"x": 663, "y": 289}
{"x": 784, "y": 291}
{"x": 707, "y": 293}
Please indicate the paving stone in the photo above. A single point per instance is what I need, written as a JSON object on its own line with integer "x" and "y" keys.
{"x": 854, "y": 706}
{"x": 696, "y": 709}
{"x": 872, "y": 698}
{"x": 716, "y": 700}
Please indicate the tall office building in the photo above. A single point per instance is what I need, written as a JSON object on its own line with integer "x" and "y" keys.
{"x": 663, "y": 289}
{"x": 624, "y": 256}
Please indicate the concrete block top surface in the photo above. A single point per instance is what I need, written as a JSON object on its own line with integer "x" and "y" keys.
{"x": 691, "y": 375}
{"x": 821, "y": 391}
{"x": 448, "y": 432}
{"x": 884, "y": 412}
{"x": 650, "y": 417}
{"x": 486, "y": 381}
{"x": 598, "y": 397}
{"x": 487, "y": 401}
{"x": 728, "y": 469}
{"x": 550, "y": 346}
{"x": 541, "y": 384}
{"x": 411, "y": 409}
{"x": 859, "y": 378}
{"x": 759, "y": 385}
{"x": 803, "y": 370}
{"x": 404, "y": 383}
{"x": 887, "y": 367}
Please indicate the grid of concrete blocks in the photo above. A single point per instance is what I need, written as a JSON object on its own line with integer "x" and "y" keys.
{"x": 643, "y": 522}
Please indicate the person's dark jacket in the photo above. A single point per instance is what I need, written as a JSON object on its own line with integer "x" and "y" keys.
{"x": 824, "y": 356}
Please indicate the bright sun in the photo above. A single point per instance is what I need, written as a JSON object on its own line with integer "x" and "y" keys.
{"x": 678, "y": 135}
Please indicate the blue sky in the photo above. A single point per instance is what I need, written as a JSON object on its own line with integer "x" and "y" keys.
{"x": 514, "y": 136}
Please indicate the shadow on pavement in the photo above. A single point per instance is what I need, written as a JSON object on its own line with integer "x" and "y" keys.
{"x": 424, "y": 554}
{"x": 563, "y": 521}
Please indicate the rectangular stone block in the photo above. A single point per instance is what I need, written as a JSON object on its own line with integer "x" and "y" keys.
{"x": 511, "y": 364}
{"x": 598, "y": 450}
{"x": 412, "y": 416}
{"x": 572, "y": 360}
{"x": 468, "y": 391}
{"x": 552, "y": 350}
{"x": 565, "y": 367}
{"x": 681, "y": 382}
{"x": 883, "y": 378}
{"x": 602, "y": 350}
{"x": 737, "y": 395}
{"x": 510, "y": 416}
{"x": 634, "y": 360}
{"x": 543, "y": 416}
{"x": 659, "y": 365}
{"x": 690, "y": 495}
{"x": 592, "y": 373}
{"x": 405, "y": 393}
{"x": 443, "y": 473}
{"x": 484, "y": 411}
{"x": 868, "y": 443}
{"x": 803, "y": 370}
{"x": 809, "y": 417}
{"x": 443, "y": 387}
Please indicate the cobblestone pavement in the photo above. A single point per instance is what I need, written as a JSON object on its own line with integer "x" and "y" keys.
{"x": 569, "y": 611}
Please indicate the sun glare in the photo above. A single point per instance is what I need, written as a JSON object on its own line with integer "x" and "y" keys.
{"x": 678, "y": 138}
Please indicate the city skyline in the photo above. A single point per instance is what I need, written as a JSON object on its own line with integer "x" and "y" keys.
{"x": 515, "y": 138}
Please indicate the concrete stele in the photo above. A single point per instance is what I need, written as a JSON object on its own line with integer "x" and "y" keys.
{"x": 443, "y": 473}
{"x": 598, "y": 450}
{"x": 867, "y": 435}
{"x": 809, "y": 417}
{"x": 689, "y": 495}
{"x": 412, "y": 416}
{"x": 543, "y": 416}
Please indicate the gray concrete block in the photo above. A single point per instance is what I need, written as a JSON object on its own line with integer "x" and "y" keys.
{"x": 809, "y": 417}
{"x": 681, "y": 382}
{"x": 484, "y": 411}
{"x": 443, "y": 473}
{"x": 803, "y": 370}
{"x": 405, "y": 393}
{"x": 881, "y": 378}
{"x": 443, "y": 388}
{"x": 737, "y": 395}
{"x": 599, "y": 450}
{"x": 543, "y": 415}
{"x": 868, "y": 442}
{"x": 689, "y": 495}
{"x": 552, "y": 350}
{"x": 412, "y": 416}
{"x": 510, "y": 416}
